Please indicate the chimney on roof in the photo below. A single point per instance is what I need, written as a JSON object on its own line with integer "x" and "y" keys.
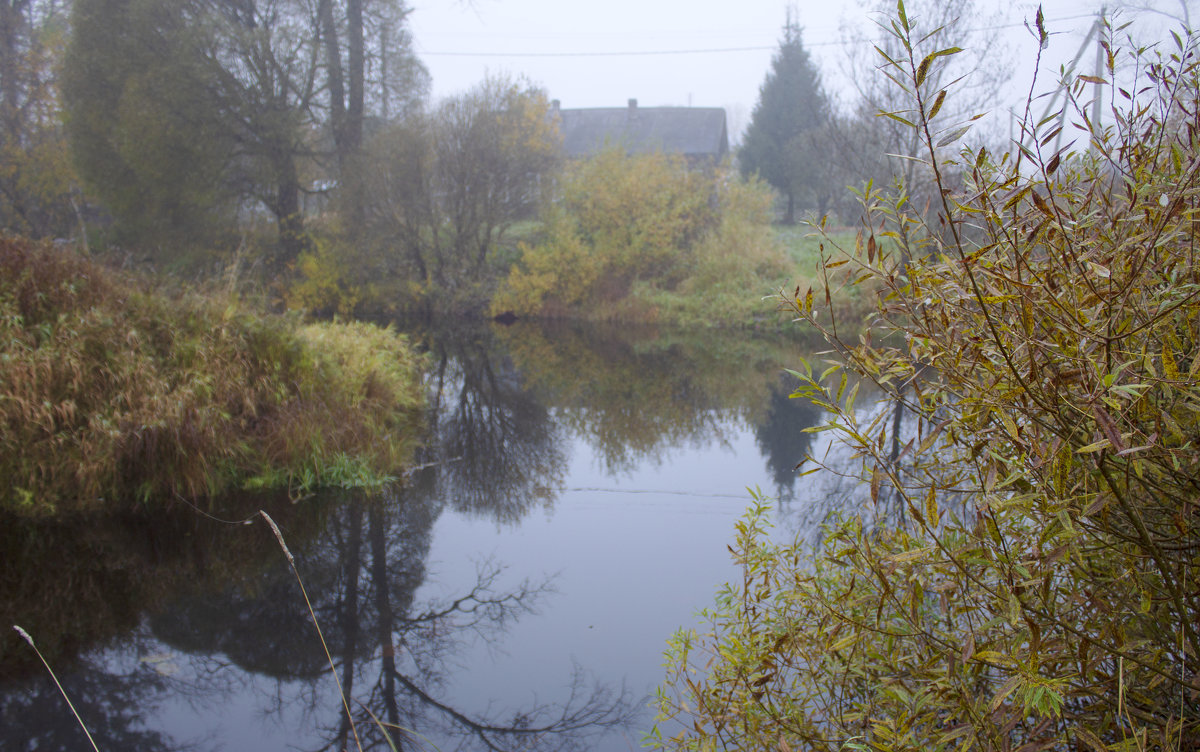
{"x": 632, "y": 109}
{"x": 554, "y": 105}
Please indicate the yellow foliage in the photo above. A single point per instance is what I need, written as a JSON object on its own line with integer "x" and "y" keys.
{"x": 324, "y": 283}
{"x": 1021, "y": 571}
{"x": 625, "y": 222}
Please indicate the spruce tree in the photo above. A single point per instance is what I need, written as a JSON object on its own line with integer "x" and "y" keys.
{"x": 792, "y": 107}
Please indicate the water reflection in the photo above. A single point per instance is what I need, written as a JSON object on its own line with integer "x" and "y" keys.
{"x": 80, "y": 587}
{"x": 81, "y": 582}
{"x": 180, "y": 616}
{"x": 634, "y": 393}
{"x": 496, "y": 449}
{"x": 389, "y": 650}
{"x": 34, "y": 716}
{"x": 782, "y": 434}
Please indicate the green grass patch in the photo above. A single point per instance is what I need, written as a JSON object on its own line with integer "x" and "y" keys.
{"x": 112, "y": 393}
{"x": 808, "y": 248}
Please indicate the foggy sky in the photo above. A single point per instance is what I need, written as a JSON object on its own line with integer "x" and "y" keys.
{"x": 578, "y": 50}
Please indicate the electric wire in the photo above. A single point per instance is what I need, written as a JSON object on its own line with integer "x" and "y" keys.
{"x": 714, "y": 50}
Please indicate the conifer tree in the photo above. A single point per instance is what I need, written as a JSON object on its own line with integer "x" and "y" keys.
{"x": 780, "y": 141}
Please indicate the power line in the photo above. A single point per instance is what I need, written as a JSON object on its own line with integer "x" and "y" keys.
{"x": 601, "y": 54}
{"x": 709, "y": 50}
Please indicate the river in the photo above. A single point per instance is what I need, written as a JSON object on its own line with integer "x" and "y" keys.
{"x": 572, "y": 508}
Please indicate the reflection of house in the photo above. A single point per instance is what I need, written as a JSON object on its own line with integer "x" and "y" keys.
{"x": 698, "y": 133}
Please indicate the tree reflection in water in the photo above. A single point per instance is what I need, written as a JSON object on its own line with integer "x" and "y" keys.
{"x": 390, "y": 651}
{"x": 35, "y": 713}
{"x": 782, "y": 435}
{"x": 497, "y": 450}
{"x": 506, "y": 405}
{"x": 634, "y": 393}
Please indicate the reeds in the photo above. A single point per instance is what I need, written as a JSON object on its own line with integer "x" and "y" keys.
{"x": 25, "y": 636}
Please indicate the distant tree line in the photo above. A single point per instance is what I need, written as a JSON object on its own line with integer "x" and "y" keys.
{"x": 299, "y": 130}
{"x": 38, "y": 191}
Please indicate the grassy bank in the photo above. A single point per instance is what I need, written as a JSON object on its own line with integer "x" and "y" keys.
{"x": 732, "y": 289}
{"x": 111, "y": 392}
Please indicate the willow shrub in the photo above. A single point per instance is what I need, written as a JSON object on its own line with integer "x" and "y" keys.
{"x": 1037, "y": 583}
{"x": 110, "y": 393}
{"x": 631, "y": 233}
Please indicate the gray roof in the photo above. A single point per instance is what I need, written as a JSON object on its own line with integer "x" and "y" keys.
{"x": 695, "y": 132}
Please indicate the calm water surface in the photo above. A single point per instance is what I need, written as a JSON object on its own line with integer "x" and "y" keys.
{"x": 578, "y": 492}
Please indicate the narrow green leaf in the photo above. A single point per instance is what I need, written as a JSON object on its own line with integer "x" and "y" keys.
{"x": 1090, "y": 740}
{"x": 937, "y": 104}
{"x": 1101, "y": 444}
{"x": 1006, "y": 689}
{"x": 898, "y": 119}
{"x": 923, "y": 70}
{"x": 947, "y": 51}
{"x": 905, "y": 556}
{"x": 953, "y": 136}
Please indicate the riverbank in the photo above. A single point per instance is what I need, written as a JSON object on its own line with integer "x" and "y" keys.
{"x": 114, "y": 393}
{"x": 742, "y": 296}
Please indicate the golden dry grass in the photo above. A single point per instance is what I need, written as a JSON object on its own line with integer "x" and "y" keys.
{"x": 111, "y": 393}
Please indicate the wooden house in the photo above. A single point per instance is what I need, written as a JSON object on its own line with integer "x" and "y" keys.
{"x": 699, "y": 134}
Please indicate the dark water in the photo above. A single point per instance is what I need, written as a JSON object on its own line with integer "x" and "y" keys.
{"x": 579, "y": 492}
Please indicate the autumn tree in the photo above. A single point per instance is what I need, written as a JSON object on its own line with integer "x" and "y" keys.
{"x": 779, "y": 143}
{"x": 37, "y": 182}
{"x": 441, "y": 190}
{"x": 186, "y": 114}
{"x": 370, "y": 70}
{"x": 180, "y": 113}
{"x": 495, "y": 148}
{"x": 633, "y": 235}
{"x": 453, "y": 182}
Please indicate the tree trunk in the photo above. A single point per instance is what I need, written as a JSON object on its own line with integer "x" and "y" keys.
{"x": 11, "y": 19}
{"x": 333, "y": 63}
{"x": 357, "y": 74}
{"x": 289, "y": 219}
{"x": 347, "y": 112}
{"x": 351, "y": 148}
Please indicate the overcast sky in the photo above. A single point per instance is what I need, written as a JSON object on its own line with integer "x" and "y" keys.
{"x": 703, "y": 53}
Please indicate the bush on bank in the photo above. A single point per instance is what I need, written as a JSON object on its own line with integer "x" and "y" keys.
{"x": 1028, "y": 580}
{"x": 111, "y": 392}
{"x": 645, "y": 238}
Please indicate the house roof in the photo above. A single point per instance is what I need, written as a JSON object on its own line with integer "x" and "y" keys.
{"x": 691, "y": 131}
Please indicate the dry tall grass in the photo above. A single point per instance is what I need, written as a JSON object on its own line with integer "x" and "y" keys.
{"x": 111, "y": 393}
